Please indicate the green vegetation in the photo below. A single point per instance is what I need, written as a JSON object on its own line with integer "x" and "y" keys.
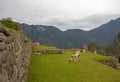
{"x": 44, "y": 48}
{"x": 56, "y": 68}
{"x": 8, "y": 23}
{"x": 114, "y": 48}
{"x": 111, "y": 49}
{"x": 93, "y": 46}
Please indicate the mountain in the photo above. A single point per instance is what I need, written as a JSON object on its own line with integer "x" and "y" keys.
{"x": 47, "y": 35}
{"x": 72, "y": 38}
{"x": 77, "y": 37}
{"x": 106, "y": 33}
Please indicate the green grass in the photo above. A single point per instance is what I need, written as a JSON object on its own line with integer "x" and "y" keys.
{"x": 56, "y": 68}
{"x": 42, "y": 47}
{"x": 12, "y": 30}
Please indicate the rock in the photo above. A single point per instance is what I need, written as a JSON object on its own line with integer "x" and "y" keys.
{"x": 1, "y": 28}
{"x": 15, "y": 55}
{"x": 2, "y": 37}
{"x": 111, "y": 62}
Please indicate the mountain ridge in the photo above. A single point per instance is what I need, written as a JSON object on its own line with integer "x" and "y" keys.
{"x": 72, "y": 38}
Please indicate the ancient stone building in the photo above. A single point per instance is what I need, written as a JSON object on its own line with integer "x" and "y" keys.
{"x": 36, "y": 44}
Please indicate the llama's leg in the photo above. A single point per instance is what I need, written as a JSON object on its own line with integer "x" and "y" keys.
{"x": 77, "y": 58}
{"x": 74, "y": 59}
{"x": 70, "y": 59}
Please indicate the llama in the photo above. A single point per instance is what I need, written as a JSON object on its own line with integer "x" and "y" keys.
{"x": 75, "y": 56}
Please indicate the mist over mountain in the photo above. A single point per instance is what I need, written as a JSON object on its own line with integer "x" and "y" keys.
{"x": 72, "y": 38}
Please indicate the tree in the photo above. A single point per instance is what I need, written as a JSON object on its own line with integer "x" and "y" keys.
{"x": 110, "y": 49}
{"x": 114, "y": 48}
{"x": 117, "y": 40}
{"x": 93, "y": 46}
{"x": 7, "y": 22}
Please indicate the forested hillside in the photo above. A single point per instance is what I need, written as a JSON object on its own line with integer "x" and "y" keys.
{"x": 50, "y": 35}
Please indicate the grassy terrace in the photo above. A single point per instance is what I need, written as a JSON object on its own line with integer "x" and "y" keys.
{"x": 44, "y": 48}
{"x": 56, "y": 68}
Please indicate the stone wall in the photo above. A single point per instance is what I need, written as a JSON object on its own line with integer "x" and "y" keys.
{"x": 113, "y": 62}
{"x": 15, "y": 55}
{"x": 50, "y": 52}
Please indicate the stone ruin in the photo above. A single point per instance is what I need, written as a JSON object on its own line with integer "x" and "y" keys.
{"x": 36, "y": 44}
{"x": 50, "y": 52}
{"x": 113, "y": 62}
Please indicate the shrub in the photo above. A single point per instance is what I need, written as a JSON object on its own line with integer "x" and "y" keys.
{"x": 8, "y": 23}
{"x": 93, "y": 46}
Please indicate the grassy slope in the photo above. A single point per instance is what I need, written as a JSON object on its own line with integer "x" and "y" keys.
{"x": 56, "y": 68}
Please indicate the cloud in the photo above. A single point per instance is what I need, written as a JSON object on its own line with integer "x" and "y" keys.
{"x": 86, "y": 23}
{"x": 65, "y": 14}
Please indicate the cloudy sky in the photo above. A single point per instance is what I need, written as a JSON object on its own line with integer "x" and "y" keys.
{"x": 65, "y": 14}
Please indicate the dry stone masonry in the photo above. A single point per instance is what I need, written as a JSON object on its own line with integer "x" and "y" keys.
{"x": 51, "y": 51}
{"x": 15, "y": 55}
{"x": 113, "y": 62}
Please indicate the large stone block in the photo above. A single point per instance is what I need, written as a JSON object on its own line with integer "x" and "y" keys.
{"x": 2, "y": 37}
